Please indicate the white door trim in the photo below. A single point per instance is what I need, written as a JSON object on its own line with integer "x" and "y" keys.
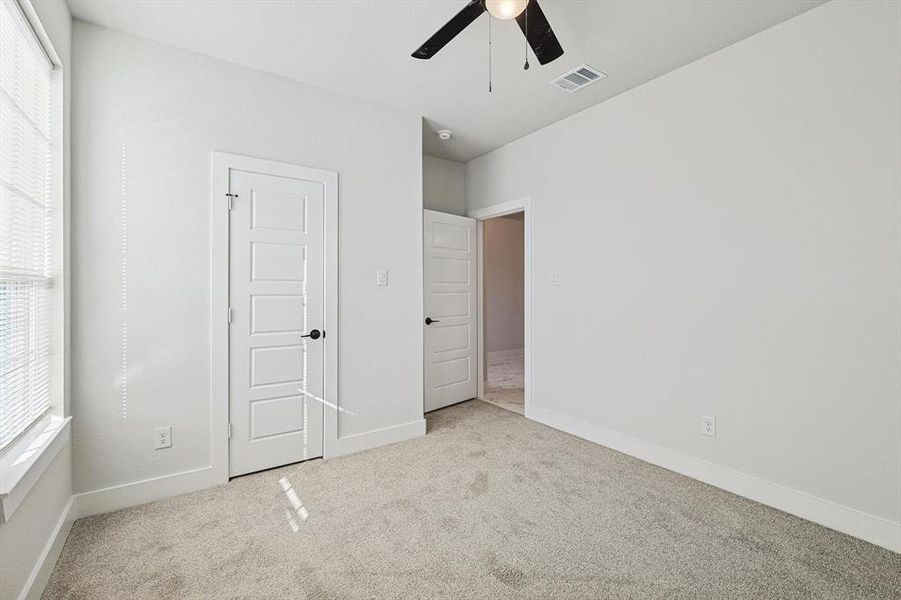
{"x": 221, "y": 164}
{"x": 523, "y": 205}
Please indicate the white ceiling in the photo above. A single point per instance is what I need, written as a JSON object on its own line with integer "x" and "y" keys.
{"x": 362, "y": 48}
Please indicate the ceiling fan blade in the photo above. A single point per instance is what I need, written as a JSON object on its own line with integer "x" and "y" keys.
{"x": 539, "y": 33}
{"x": 450, "y": 30}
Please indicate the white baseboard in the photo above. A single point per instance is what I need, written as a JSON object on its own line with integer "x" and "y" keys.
{"x": 147, "y": 490}
{"x": 40, "y": 575}
{"x": 835, "y": 516}
{"x": 373, "y": 439}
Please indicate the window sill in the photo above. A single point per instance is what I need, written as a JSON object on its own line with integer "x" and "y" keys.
{"x": 23, "y": 463}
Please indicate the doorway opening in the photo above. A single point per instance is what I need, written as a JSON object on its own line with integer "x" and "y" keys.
{"x": 477, "y": 307}
{"x": 503, "y": 311}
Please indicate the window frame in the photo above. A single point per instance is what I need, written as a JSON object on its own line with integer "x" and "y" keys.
{"x": 24, "y": 459}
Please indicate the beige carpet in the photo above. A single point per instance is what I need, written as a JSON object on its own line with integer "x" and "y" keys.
{"x": 487, "y": 505}
{"x": 505, "y": 383}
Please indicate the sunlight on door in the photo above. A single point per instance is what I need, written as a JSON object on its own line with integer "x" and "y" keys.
{"x": 277, "y": 288}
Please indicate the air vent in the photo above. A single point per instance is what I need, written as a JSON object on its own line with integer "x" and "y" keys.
{"x": 578, "y": 78}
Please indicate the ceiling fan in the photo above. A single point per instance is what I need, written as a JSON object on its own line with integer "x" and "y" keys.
{"x": 527, "y": 13}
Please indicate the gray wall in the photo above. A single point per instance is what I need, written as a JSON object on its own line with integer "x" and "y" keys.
{"x": 728, "y": 240}
{"x": 504, "y": 274}
{"x": 146, "y": 117}
{"x": 443, "y": 185}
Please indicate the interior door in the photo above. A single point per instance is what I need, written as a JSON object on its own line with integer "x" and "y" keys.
{"x": 276, "y": 337}
{"x": 449, "y": 277}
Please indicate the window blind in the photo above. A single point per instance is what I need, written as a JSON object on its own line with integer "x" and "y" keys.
{"x": 26, "y": 200}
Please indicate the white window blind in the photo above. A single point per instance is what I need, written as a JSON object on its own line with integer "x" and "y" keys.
{"x": 25, "y": 224}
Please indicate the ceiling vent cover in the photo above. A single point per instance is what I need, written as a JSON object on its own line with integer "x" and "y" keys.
{"x": 578, "y": 78}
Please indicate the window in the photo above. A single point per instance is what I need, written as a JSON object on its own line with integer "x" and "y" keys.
{"x": 27, "y": 236}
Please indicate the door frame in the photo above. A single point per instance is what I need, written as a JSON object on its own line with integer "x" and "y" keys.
{"x": 523, "y": 205}
{"x": 221, "y": 165}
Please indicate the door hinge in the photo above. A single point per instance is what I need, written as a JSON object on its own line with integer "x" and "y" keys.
{"x": 229, "y": 314}
{"x": 229, "y": 431}
{"x": 230, "y": 198}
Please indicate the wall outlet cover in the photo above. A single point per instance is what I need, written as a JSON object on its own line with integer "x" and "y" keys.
{"x": 708, "y": 426}
{"x": 162, "y": 438}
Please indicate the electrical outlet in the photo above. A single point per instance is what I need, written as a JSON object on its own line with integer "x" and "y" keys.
{"x": 708, "y": 426}
{"x": 162, "y": 438}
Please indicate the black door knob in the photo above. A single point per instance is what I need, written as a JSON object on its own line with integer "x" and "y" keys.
{"x": 314, "y": 335}
{"x": 430, "y": 320}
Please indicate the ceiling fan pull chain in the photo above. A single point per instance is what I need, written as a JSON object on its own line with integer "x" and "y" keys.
{"x": 525, "y": 67}
{"x": 489, "y": 54}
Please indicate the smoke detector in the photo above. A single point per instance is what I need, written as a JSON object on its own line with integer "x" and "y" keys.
{"x": 580, "y": 77}
{"x": 445, "y": 134}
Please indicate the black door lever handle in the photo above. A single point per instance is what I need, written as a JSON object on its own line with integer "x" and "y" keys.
{"x": 315, "y": 334}
{"x": 430, "y": 320}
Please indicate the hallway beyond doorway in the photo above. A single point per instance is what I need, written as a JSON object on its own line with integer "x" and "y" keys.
{"x": 504, "y": 386}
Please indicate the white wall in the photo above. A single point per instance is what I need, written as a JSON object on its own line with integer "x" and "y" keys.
{"x": 33, "y": 527}
{"x": 443, "y": 185}
{"x": 32, "y": 537}
{"x": 146, "y": 117}
{"x": 503, "y": 240}
{"x": 728, "y": 243}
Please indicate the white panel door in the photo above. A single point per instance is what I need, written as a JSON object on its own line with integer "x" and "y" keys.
{"x": 276, "y": 296}
{"x": 449, "y": 265}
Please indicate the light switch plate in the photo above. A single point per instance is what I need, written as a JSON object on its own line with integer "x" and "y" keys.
{"x": 381, "y": 277}
{"x": 555, "y": 278}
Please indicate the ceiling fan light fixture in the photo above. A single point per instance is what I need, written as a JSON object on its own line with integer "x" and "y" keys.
{"x": 527, "y": 13}
{"x": 506, "y": 10}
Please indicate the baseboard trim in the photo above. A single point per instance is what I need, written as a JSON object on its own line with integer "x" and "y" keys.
{"x": 875, "y": 530}
{"x": 40, "y": 575}
{"x": 156, "y": 488}
{"x": 140, "y": 492}
{"x": 373, "y": 439}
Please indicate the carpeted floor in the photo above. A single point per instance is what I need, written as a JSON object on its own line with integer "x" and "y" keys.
{"x": 487, "y": 505}
{"x": 505, "y": 383}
